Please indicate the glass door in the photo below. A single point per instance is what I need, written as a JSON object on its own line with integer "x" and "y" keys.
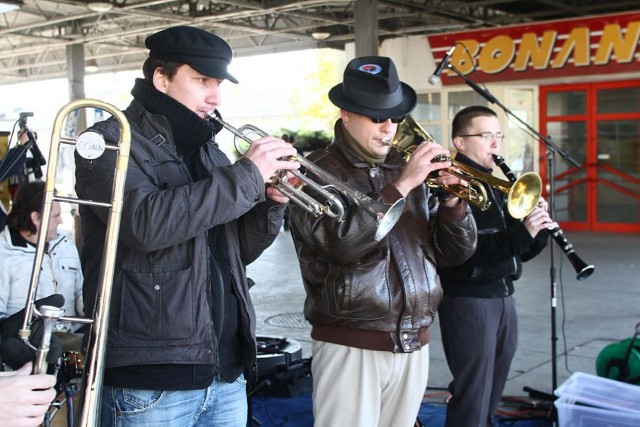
{"x": 564, "y": 121}
{"x": 617, "y": 138}
{"x": 598, "y": 125}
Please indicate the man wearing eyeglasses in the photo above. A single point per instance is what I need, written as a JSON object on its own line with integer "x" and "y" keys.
{"x": 370, "y": 302}
{"x": 477, "y": 315}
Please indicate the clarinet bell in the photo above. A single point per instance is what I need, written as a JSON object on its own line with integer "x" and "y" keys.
{"x": 582, "y": 269}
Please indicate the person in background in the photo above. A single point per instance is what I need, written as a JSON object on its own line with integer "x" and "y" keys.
{"x": 478, "y": 319}
{"x": 60, "y": 271}
{"x": 371, "y": 303}
{"x": 181, "y": 339}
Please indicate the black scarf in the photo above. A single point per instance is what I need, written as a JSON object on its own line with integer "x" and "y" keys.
{"x": 190, "y": 131}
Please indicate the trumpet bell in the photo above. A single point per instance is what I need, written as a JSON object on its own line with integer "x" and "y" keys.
{"x": 524, "y": 195}
{"x": 386, "y": 220}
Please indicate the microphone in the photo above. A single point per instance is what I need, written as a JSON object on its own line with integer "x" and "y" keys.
{"x": 434, "y": 79}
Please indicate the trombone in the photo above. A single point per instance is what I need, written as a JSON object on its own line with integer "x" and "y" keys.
{"x": 385, "y": 215}
{"x": 522, "y": 195}
{"x": 94, "y": 357}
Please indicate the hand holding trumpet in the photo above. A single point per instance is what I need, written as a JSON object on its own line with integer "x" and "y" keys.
{"x": 270, "y": 155}
{"x": 428, "y": 159}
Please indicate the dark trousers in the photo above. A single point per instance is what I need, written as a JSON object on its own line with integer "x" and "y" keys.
{"x": 479, "y": 336}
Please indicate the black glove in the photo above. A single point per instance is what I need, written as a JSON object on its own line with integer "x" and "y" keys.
{"x": 15, "y": 351}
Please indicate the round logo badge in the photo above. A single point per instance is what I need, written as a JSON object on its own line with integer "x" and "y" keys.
{"x": 90, "y": 145}
{"x": 370, "y": 68}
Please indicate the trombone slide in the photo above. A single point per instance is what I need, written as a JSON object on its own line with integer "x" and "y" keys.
{"x": 96, "y": 347}
{"x": 50, "y": 316}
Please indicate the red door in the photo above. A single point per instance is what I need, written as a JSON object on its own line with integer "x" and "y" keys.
{"x": 598, "y": 125}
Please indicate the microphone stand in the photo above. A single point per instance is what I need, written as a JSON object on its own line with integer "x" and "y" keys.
{"x": 552, "y": 149}
{"x": 16, "y": 157}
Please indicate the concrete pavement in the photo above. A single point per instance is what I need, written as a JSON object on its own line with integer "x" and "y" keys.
{"x": 590, "y": 314}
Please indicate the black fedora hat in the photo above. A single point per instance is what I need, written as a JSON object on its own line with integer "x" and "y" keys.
{"x": 371, "y": 87}
{"x": 203, "y": 51}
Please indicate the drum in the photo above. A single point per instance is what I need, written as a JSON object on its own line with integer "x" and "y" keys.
{"x": 274, "y": 352}
{"x": 282, "y": 372}
{"x": 72, "y": 364}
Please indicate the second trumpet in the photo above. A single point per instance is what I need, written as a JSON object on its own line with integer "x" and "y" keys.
{"x": 385, "y": 215}
{"x": 523, "y": 194}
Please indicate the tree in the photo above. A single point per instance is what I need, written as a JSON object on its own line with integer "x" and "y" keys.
{"x": 311, "y": 109}
{"x": 307, "y": 141}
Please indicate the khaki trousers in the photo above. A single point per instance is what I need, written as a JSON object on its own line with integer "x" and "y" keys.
{"x": 354, "y": 387}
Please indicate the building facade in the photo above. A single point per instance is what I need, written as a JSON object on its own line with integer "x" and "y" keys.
{"x": 568, "y": 95}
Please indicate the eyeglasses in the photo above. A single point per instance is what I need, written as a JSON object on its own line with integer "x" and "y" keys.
{"x": 393, "y": 119}
{"x": 487, "y": 136}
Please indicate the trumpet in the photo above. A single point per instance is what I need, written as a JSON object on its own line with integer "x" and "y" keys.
{"x": 583, "y": 270}
{"x": 384, "y": 214}
{"x": 522, "y": 195}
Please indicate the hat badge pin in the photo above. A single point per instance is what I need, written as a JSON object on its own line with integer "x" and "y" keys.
{"x": 370, "y": 68}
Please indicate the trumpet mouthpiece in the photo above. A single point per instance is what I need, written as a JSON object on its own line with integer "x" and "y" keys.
{"x": 386, "y": 140}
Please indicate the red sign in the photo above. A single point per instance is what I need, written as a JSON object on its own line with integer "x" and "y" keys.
{"x": 596, "y": 45}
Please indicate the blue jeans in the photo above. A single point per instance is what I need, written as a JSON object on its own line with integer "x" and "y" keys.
{"x": 221, "y": 404}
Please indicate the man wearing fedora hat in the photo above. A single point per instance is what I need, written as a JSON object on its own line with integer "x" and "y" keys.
{"x": 181, "y": 334}
{"x": 370, "y": 303}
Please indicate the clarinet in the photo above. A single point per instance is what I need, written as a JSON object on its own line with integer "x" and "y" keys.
{"x": 583, "y": 270}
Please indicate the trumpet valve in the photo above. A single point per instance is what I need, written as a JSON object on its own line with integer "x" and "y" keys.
{"x": 441, "y": 158}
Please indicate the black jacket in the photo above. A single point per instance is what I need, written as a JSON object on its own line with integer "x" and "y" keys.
{"x": 503, "y": 244}
{"x": 161, "y": 308}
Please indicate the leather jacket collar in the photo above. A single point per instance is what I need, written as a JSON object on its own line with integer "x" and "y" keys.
{"x": 393, "y": 161}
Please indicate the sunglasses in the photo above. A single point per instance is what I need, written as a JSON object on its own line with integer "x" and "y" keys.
{"x": 393, "y": 119}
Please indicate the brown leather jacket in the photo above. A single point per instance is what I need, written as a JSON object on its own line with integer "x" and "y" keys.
{"x": 380, "y": 295}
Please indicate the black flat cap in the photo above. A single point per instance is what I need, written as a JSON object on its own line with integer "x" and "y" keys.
{"x": 203, "y": 51}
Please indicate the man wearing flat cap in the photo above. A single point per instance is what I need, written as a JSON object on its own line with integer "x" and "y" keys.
{"x": 181, "y": 335}
{"x": 371, "y": 302}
